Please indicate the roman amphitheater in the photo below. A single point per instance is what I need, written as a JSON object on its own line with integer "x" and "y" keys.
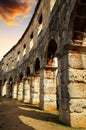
{"x": 47, "y": 67}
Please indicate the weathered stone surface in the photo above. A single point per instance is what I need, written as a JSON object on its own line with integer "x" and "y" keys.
{"x": 20, "y": 91}
{"x": 27, "y": 91}
{"x": 50, "y": 106}
{"x": 15, "y": 91}
{"x": 54, "y": 44}
{"x": 78, "y": 120}
{"x": 77, "y": 61}
{"x": 77, "y": 90}
{"x": 77, "y": 75}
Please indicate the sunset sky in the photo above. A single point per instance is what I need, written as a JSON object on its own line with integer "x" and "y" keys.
{"x": 14, "y": 18}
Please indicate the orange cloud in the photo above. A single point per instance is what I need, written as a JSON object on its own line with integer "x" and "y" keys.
{"x": 10, "y": 10}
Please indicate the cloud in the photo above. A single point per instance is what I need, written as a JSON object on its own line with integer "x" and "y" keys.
{"x": 13, "y": 10}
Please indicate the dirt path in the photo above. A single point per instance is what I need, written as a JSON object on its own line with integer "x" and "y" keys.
{"x": 15, "y": 115}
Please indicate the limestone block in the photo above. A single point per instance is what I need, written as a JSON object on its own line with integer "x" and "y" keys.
{"x": 77, "y": 105}
{"x": 20, "y": 91}
{"x": 49, "y": 74}
{"x": 78, "y": 120}
{"x": 73, "y": 75}
{"x": 4, "y": 90}
{"x": 35, "y": 98}
{"x": 50, "y": 106}
{"x": 49, "y": 97}
{"x": 77, "y": 60}
{"x": 27, "y": 92}
{"x": 77, "y": 75}
{"x": 50, "y": 90}
{"x": 77, "y": 90}
{"x": 15, "y": 91}
{"x": 49, "y": 83}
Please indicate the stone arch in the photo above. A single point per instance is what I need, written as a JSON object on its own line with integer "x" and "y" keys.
{"x": 48, "y": 79}
{"x": 76, "y": 28}
{"x": 35, "y": 83}
{"x": 78, "y": 23}
{"x": 51, "y": 51}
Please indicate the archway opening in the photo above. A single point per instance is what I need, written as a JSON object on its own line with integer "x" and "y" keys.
{"x": 20, "y": 76}
{"x": 79, "y": 23}
{"x": 48, "y": 79}
{"x": 35, "y": 89}
{"x": 51, "y": 51}
{"x": 37, "y": 66}
{"x": 28, "y": 71}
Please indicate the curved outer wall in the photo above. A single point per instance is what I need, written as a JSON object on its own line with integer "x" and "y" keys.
{"x": 47, "y": 66}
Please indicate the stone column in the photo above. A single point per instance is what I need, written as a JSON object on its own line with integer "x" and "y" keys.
{"x": 48, "y": 87}
{"x": 72, "y": 86}
{"x": 4, "y": 85}
{"x": 20, "y": 90}
{"x": 35, "y": 89}
{"x": 15, "y": 89}
{"x": 8, "y": 90}
{"x": 27, "y": 90}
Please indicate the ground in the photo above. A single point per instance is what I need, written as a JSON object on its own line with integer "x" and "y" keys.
{"x": 15, "y": 115}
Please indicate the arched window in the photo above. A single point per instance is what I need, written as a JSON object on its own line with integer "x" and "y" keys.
{"x": 31, "y": 41}
{"x": 18, "y": 56}
{"x": 6, "y": 67}
{"x": 20, "y": 76}
{"x": 24, "y": 49}
{"x": 40, "y": 21}
{"x": 79, "y": 23}
{"x": 28, "y": 71}
{"x": 37, "y": 65}
{"x": 10, "y": 81}
{"x": 12, "y": 67}
{"x": 51, "y": 50}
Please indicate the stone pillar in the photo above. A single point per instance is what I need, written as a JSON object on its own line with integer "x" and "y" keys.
{"x": 27, "y": 90}
{"x": 35, "y": 89}
{"x": 48, "y": 97}
{"x": 9, "y": 89}
{"x": 20, "y": 90}
{"x": 72, "y": 86}
{"x": 4, "y": 85}
{"x": 15, "y": 89}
